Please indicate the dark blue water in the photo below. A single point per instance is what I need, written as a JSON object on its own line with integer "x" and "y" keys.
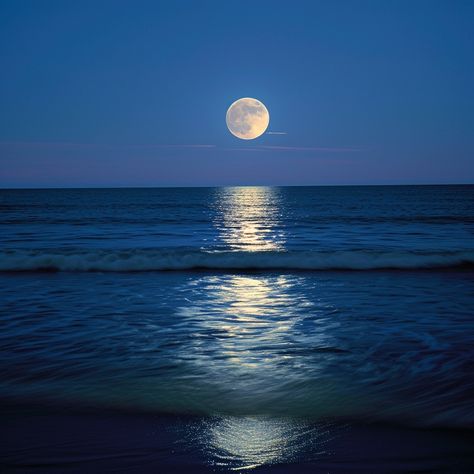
{"x": 246, "y": 228}
{"x": 271, "y": 313}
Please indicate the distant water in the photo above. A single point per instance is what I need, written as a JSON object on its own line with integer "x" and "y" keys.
{"x": 264, "y": 322}
{"x": 306, "y": 228}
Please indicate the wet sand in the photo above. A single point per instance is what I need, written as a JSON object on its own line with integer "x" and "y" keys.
{"x": 48, "y": 440}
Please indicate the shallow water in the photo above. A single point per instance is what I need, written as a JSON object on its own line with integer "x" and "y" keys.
{"x": 261, "y": 331}
{"x": 95, "y": 442}
{"x": 378, "y": 345}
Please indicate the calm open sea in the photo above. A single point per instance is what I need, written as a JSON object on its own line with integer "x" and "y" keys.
{"x": 250, "y": 327}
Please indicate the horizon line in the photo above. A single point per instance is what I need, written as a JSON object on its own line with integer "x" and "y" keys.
{"x": 33, "y": 188}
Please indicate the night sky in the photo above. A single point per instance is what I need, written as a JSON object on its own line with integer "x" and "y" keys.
{"x": 114, "y": 93}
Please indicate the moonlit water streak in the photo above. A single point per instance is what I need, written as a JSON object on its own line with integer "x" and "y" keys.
{"x": 248, "y": 219}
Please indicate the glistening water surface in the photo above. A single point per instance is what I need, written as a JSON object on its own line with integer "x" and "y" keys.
{"x": 311, "y": 345}
{"x": 292, "y": 315}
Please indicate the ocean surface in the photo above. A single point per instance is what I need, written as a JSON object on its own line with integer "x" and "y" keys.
{"x": 315, "y": 329}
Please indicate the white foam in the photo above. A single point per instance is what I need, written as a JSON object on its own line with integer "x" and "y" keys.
{"x": 156, "y": 260}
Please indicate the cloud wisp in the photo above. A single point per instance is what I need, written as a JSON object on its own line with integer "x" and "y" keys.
{"x": 326, "y": 149}
{"x": 197, "y": 146}
{"x": 98, "y": 145}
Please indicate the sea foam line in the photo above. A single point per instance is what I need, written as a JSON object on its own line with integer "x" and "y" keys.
{"x": 159, "y": 260}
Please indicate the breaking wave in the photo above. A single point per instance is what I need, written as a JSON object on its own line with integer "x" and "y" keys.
{"x": 141, "y": 260}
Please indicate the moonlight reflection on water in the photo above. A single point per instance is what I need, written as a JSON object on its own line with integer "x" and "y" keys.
{"x": 248, "y": 442}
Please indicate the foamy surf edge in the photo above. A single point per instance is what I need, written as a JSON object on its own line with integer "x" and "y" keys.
{"x": 142, "y": 260}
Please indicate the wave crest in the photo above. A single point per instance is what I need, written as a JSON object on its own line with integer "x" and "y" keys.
{"x": 140, "y": 260}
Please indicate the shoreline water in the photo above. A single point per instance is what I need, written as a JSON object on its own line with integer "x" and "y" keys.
{"x": 49, "y": 439}
{"x": 245, "y": 343}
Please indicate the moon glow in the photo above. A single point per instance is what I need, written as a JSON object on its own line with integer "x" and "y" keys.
{"x": 247, "y": 118}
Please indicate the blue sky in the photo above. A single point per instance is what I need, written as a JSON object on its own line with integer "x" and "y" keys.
{"x": 115, "y": 93}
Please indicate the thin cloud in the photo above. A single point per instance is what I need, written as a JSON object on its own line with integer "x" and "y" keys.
{"x": 99, "y": 145}
{"x": 276, "y": 133}
{"x": 282, "y": 148}
{"x": 312, "y": 148}
{"x": 195, "y": 145}
{"x": 246, "y": 149}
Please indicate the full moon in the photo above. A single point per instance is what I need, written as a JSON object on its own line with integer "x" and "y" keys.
{"x": 247, "y": 118}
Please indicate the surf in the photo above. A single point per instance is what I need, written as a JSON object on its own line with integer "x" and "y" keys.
{"x": 143, "y": 260}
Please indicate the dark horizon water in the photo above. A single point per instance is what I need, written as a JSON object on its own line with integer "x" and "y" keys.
{"x": 279, "y": 319}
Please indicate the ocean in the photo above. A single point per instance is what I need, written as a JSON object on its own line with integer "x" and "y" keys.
{"x": 279, "y": 329}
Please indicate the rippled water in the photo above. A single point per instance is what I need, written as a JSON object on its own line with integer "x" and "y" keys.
{"x": 253, "y": 331}
{"x": 432, "y": 219}
{"x": 306, "y": 345}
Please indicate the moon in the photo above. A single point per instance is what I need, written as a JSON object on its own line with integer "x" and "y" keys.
{"x": 247, "y": 118}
